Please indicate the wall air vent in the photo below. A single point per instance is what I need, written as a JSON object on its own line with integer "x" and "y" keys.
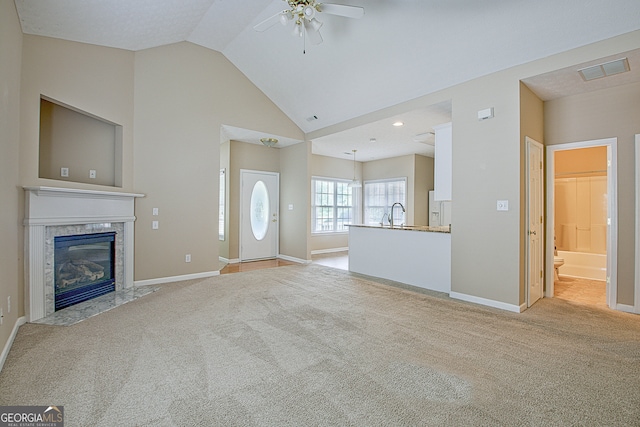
{"x": 604, "y": 70}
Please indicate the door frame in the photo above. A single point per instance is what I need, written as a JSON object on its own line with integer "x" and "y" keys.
{"x": 636, "y": 291}
{"x": 242, "y": 212}
{"x": 529, "y": 142}
{"x": 612, "y": 213}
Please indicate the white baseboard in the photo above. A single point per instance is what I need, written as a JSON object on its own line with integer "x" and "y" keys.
{"x": 329, "y": 251}
{"x": 627, "y": 308}
{"x": 489, "y": 302}
{"x": 293, "y": 259}
{"x": 161, "y": 280}
{"x": 5, "y": 351}
{"x": 223, "y": 259}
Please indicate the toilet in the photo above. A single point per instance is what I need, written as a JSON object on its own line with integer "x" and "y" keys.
{"x": 557, "y": 263}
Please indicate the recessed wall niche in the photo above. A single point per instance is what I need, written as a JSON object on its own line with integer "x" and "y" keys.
{"x": 78, "y": 146}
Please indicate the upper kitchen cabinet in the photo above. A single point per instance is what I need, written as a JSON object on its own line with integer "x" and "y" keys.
{"x": 443, "y": 161}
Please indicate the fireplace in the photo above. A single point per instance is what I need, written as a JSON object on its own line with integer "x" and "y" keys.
{"x": 78, "y": 245}
{"x": 83, "y": 267}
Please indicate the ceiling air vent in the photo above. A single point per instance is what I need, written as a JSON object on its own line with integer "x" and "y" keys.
{"x": 604, "y": 70}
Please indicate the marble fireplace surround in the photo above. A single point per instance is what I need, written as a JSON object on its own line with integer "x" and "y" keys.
{"x": 51, "y": 212}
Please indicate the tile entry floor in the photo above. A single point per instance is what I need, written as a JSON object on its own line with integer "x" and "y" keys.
{"x": 584, "y": 291}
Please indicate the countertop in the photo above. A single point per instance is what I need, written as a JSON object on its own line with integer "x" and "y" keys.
{"x": 431, "y": 229}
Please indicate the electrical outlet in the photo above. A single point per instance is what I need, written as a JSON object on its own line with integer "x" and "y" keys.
{"x": 92, "y": 174}
{"x": 155, "y": 225}
{"x": 187, "y": 258}
{"x": 64, "y": 172}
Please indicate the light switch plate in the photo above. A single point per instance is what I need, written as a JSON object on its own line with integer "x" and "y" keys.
{"x": 291, "y": 207}
{"x": 155, "y": 211}
{"x": 503, "y": 205}
{"x": 92, "y": 174}
{"x": 154, "y": 225}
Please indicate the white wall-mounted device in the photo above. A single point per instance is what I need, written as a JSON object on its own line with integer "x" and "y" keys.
{"x": 485, "y": 114}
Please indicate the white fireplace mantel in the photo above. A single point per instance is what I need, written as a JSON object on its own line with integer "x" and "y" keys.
{"x": 51, "y": 207}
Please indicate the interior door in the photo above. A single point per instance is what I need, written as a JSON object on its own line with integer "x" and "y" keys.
{"x": 535, "y": 207}
{"x": 259, "y": 215}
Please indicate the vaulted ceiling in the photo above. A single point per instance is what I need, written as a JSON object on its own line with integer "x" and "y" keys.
{"x": 399, "y": 50}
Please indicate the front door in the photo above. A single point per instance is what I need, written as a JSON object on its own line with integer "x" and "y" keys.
{"x": 535, "y": 208}
{"x": 259, "y": 215}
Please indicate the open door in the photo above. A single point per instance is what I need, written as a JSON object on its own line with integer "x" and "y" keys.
{"x": 259, "y": 212}
{"x": 535, "y": 228}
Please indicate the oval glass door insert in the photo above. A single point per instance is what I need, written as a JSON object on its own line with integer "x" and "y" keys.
{"x": 259, "y": 210}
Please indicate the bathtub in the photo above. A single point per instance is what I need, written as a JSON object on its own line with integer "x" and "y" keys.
{"x": 583, "y": 264}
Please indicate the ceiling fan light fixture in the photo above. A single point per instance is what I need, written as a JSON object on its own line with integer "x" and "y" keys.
{"x": 309, "y": 11}
{"x": 297, "y": 29}
{"x": 315, "y": 24}
{"x": 285, "y": 17}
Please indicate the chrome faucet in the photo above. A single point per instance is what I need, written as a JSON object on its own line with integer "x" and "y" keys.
{"x": 391, "y": 214}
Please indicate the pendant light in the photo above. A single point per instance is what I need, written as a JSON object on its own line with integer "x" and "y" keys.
{"x": 355, "y": 183}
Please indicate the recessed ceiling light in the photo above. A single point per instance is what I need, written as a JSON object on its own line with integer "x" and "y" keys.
{"x": 398, "y": 123}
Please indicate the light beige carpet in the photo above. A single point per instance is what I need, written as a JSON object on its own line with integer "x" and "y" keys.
{"x": 311, "y": 346}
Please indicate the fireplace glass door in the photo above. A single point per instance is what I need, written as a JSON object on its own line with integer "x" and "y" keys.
{"x": 84, "y": 267}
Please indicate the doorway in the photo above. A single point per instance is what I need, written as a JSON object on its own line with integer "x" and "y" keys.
{"x": 582, "y": 221}
{"x": 259, "y": 215}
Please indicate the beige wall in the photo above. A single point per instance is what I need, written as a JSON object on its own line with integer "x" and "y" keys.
{"x": 487, "y": 246}
{"x": 581, "y": 162}
{"x": 606, "y": 113}
{"x": 252, "y": 157}
{"x": 424, "y": 180}
{"x": 78, "y": 142}
{"x": 11, "y": 194}
{"x": 532, "y": 126}
{"x": 96, "y": 80}
{"x": 295, "y": 189}
{"x": 184, "y": 94}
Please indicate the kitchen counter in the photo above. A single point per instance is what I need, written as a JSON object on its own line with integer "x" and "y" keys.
{"x": 418, "y": 256}
{"x": 432, "y": 229}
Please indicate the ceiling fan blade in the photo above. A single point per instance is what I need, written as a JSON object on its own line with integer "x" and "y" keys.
{"x": 342, "y": 10}
{"x": 313, "y": 32}
{"x": 268, "y": 23}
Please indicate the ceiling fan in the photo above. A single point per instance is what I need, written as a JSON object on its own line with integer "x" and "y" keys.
{"x": 303, "y": 14}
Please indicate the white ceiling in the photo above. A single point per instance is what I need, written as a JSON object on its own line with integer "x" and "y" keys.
{"x": 400, "y": 50}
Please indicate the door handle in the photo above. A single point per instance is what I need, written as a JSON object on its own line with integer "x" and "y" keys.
{"x": 532, "y": 232}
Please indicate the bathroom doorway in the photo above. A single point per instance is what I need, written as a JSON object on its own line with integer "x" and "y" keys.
{"x": 581, "y": 226}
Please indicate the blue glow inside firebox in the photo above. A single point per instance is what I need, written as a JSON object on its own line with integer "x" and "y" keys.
{"x": 84, "y": 267}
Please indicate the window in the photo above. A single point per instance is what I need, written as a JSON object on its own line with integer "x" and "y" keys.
{"x": 332, "y": 206}
{"x": 221, "y": 204}
{"x": 378, "y": 198}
